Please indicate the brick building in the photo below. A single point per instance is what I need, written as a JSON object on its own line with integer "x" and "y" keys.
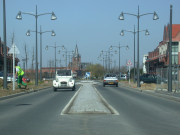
{"x": 9, "y": 59}
{"x": 159, "y": 58}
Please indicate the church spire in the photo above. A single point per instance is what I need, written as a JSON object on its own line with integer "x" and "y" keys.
{"x": 76, "y": 53}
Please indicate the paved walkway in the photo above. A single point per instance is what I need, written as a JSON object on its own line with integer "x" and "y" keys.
{"x": 88, "y": 101}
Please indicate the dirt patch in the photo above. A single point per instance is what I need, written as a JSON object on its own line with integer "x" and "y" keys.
{"x": 145, "y": 86}
{"x": 148, "y": 86}
{"x": 30, "y": 86}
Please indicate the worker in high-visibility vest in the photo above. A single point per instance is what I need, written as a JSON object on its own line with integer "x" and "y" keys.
{"x": 20, "y": 73}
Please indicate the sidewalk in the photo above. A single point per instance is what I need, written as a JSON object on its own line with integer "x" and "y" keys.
{"x": 160, "y": 93}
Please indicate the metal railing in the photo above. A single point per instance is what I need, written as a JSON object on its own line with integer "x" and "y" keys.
{"x": 162, "y": 79}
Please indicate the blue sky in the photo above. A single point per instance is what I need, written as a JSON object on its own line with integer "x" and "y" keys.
{"x": 92, "y": 24}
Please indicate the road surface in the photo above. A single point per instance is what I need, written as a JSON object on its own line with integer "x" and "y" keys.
{"x": 39, "y": 113}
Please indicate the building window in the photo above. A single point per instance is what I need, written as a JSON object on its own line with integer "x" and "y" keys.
{"x": 174, "y": 59}
{"x": 175, "y": 53}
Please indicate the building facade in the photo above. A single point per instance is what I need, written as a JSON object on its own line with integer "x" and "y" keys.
{"x": 159, "y": 58}
{"x": 9, "y": 58}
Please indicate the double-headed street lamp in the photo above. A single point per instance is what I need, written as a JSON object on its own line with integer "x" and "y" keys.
{"x": 41, "y": 32}
{"x": 155, "y": 17}
{"x": 119, "y": 47}
{"x": 19, "y": 17}
{"x": 134, "y": 32}
{"x": 105, "y": 53}
{"x": 55, "y": 46}
{"x": 65, "y": 55}
{"x": 70, "y": 55}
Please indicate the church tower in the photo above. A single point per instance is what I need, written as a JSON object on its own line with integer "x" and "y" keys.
{"x": 76, "y": 60}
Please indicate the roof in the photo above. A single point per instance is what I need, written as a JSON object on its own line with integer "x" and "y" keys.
{"x": 175, "y": 32}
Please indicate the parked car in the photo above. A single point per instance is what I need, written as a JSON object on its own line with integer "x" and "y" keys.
{"x": 64, "y": 80}
{"x": 123, "y": 77}
{"x": 148, "y": 78}
{"x": 9, "y": 79}
{"x": 110, "y": 79}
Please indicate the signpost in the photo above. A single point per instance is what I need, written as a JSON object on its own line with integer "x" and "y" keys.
{"x": 13, "y": 50}
{"x": 129, "y": 64}
{"x": 87, "y": 75}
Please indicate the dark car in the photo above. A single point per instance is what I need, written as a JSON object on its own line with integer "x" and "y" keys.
{"x": 148, "y": 78}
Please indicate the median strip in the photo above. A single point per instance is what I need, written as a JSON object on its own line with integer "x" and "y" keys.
{"x": 87, "y": 100}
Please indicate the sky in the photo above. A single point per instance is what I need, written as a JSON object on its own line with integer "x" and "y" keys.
{"x": 91, "y": 24}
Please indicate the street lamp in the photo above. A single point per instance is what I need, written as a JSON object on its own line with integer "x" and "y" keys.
{"x": 105, "y": 53}
{"x": 134, "y": 32}
{"x": 155, "y": 17}
{"x": 41, "y": 32}
{"x": 19, "y": 17}
{"x": 70, "y": 56}
{"x": 119, "y": 47}
{"x": 65, "y": 55}
{"x": 55, "y": 46}
{"x": 107, "y": 57}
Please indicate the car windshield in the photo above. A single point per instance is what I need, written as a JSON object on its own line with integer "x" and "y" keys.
{"x": 64, "y": 72}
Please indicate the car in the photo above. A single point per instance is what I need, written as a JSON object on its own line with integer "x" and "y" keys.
{"x": 9, "y": 79}
{"x": 110, "y": 79}
{"x": 64, "y": 80}
{"x": 148, "y": 78}
{"x": 123, "y": 77}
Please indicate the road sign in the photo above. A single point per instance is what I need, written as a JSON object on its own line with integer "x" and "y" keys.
{"x": 129, "y": 63}
{"x": 14, "y": 49}
{"x": 88, "y": 74}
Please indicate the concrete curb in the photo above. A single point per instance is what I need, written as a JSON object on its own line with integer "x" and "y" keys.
{"x": 70, "y": 103}
{"x": 21, "y": 93}
{"x": 112, "y": 110}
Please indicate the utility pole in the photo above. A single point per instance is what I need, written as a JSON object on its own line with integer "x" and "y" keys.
{"x": 33, "y": 60}
{"x": 26, "y": 58}
{"x": 170, "y": 53}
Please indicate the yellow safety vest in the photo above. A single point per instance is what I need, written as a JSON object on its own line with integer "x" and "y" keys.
{"x": 20, "y": 72}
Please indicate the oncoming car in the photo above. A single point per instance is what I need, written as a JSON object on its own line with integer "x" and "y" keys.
{"x": 64, "y": 80}
{"x": 110, "y": 79}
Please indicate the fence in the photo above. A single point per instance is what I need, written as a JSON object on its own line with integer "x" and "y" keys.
{"x": 162, "y": 79}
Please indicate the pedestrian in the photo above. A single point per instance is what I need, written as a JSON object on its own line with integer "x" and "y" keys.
{"x": 20, "y": 73}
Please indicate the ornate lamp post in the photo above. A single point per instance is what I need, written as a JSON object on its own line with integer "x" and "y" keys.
{"x": 55, "y": 46}
{"x": 119, "y": 47}
{"x": 41, "y": 32}
{"x": 155, "y": 17}
{"x": 134, "y": 33}
{"x": 36, "y": 15}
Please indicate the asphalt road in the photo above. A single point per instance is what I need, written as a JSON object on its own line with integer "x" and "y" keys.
{"x": 139, "y": 114}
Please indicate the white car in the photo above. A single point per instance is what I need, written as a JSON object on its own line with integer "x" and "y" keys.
{"x": 64, "y": 80}
{"x": 110, "y": 79}
{"x": 9, "y": 79}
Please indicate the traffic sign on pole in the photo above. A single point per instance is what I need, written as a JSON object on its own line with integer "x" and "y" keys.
{"x": 129, "y": 64}
{"x": 13, "y": 50}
